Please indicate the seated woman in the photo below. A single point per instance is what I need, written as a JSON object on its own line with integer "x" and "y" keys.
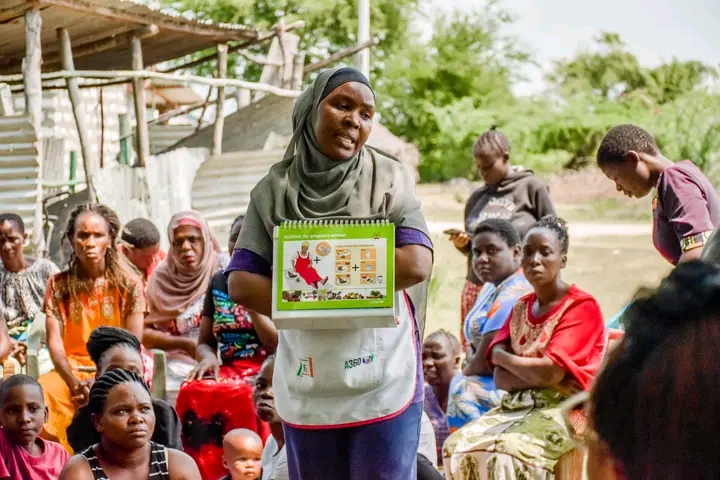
{"x": 112, "y": 348}
{"x": 647, "y": 417}
{"x": 98, "y": 288}
{"x": 122, "y": 414}
{"x": 222, "y": 393}
{"x": 550, "y": 347}
{"x": 22, "y": 287}
{"x": 441, "y": 360}
{"x": 301, "y": 264}
{"x": 176, "y": 295}
{"x": 496, "y": 249}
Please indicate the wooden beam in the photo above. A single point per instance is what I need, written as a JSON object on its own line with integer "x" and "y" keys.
{"x": 220, "y": 102}
{"x": 236, "y": 48}
{"x": 32, "y": 79}
{"x": 142, "y": 134}
{"x": 106, "y": 44}
{"x": 297, "y": 71}
{"x": 87, "y": 39}
{"x": 337, "y": 56}
{"x": 165, "y": 22}
{"x": 12, "y": 13}
{"x": 174, "y": 79}
{"x": 78, "y": 113}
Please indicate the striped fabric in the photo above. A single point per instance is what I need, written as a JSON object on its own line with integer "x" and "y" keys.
{"x": 158, "y": 463}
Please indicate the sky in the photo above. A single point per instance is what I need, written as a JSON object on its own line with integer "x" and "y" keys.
{"x": 654, "y": 30}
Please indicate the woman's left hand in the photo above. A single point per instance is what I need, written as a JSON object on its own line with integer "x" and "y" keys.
{"x": 208, "y": 366}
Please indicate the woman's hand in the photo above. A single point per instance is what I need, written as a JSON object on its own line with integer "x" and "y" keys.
{"x": 19, "y": 351}
{"x": 209, "y": 365}
{"x": 460, "y": 240}
{"x": 79, "y": 391}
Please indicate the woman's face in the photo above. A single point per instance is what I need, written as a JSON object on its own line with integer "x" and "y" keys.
{"x": 128, "y": 419}
{"x": 91, "y": 240}
{"x": 11, "y": 243}
{"x": 188, "y": 245}
{"x": 493, "y": 167}
{"x": 542, "y": 257}
{"x": 344, "y": 120}
{"x": 493, "y": 259}
{"x": 439, "y": 361}
{"x": 121, "y": 357}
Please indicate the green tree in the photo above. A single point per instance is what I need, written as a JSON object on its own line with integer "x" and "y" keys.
{"x": 330, "y": 25}
{"x": 611, "y": 70}
{"x": 466, "y": 65}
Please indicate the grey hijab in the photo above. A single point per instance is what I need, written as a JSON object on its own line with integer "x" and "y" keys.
{"x": 307, "y": 185}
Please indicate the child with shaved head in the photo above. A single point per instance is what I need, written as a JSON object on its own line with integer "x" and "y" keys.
{"x": 242, "y": 454}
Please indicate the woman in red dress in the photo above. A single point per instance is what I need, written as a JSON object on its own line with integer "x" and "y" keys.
{"x": 302, "y": 263}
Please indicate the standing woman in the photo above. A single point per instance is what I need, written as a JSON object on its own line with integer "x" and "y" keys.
{"x": 686, "y": 206}
{"x": 176, "y": 294}
{"x": 368, "y": 428}
{"x": 510, "y": 193}
{"x": 98, "y": 288}
{"x": 219, "y": 387}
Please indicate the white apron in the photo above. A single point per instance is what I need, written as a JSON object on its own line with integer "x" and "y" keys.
{"x": 344, "y": 378}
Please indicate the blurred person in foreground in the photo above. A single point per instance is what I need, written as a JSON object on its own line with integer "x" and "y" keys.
{"x": 653, "y": 412}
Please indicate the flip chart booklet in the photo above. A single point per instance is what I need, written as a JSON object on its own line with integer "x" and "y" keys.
{"x": 334, "y": 274}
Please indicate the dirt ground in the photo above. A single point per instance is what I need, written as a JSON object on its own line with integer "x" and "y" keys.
{"x": 611, "y": 253}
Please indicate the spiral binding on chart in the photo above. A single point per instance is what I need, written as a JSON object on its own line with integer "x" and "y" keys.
{"x": 333, "y": 222}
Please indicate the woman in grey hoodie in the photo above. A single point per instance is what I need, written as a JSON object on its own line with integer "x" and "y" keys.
{"x": 510, "y": 193}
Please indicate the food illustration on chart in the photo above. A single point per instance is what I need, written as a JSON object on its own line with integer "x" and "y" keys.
{"x": 348, "y": 269}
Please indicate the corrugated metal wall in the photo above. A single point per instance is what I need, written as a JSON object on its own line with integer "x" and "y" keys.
{"x": 59, "y": 122}
{"x": 164, "y": 136}
{"x": 221, "y": 190}
{"x": 19, "y": 191}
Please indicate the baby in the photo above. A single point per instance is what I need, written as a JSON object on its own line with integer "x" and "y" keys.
{"x": 23, "y": 454}
{"x": 242, "y": 454}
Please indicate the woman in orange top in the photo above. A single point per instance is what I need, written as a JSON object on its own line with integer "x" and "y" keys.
{"x": 98, "y": 288}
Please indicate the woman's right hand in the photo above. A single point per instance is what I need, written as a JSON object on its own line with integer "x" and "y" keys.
{"x": 79, "y": 391}
{"x": 208, "y": 366}
{"x": 460, "y": 240}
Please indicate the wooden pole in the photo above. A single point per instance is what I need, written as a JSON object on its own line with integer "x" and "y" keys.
{"x": 146, "y": 74}
{"x": 220, "y": 102}
{"x": 32, "y": 78}
{"x": 362, "y": 61}
{"x": 76, "y": 102}
{"x": 142, "y": 134}
{"x": 336, "y": 57}
{"x": 297, "y": 71}
{"x": 236, "y": 48}
{"x": 102, "y": 128}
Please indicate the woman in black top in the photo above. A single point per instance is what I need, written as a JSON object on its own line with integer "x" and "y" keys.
{"x": 510, "y": 193}
{"x": 113, "y": 348}
{"x": 122, "y": 414}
